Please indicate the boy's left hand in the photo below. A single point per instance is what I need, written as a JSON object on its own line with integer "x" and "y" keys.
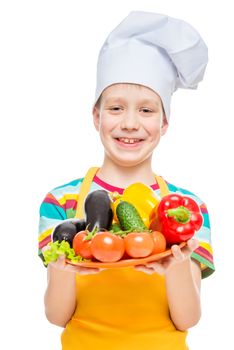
{"x": 178, "y": 256}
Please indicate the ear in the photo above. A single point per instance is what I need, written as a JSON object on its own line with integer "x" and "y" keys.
{"x": 164, "y": 126}
{"x": 96, "y": 117}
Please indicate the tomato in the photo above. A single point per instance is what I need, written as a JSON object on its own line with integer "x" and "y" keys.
{"x": 139, "y": 244}
{"x": 81, "y": 245}
{"x": 107, "y": 247}
{"x": 154, "y": 223}
{"x": 160, "y": 242}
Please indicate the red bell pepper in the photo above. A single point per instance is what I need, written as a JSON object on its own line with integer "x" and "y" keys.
{"x": 178, "y": 218}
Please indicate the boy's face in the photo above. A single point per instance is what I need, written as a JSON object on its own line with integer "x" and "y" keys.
{"x": 130, "y": 121}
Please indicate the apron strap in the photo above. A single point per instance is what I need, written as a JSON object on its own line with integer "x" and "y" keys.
{"x": 84, "y": 190}
{"x": 164, "y": 190}
{"x": 85, "y": 187}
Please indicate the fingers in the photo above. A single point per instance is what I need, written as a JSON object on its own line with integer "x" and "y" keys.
{"x": 193, "y": 244}
{"x": 145, "y": 269}
{"x": 151, "y": 268}
{"x": 184, "y": 253}
{"x": 178, "y": 255}
{"x": 59, "y": 263}
{"x": 86, "y": 270}
{"x": 157, "y": 266}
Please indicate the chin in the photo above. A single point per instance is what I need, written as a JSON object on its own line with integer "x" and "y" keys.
{"x": 128, "y": 162}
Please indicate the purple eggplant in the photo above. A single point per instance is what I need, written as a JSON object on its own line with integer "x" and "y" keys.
{"x": 98, "y": 210}
{"x": 67, "y": 230}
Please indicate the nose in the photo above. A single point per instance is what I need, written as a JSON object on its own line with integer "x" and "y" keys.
{"x": 130, "y": 120}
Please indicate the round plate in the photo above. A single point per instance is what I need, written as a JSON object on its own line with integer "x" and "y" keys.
{"x": 125, "y": 262}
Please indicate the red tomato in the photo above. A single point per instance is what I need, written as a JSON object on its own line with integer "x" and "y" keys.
{"x": 154, "y": 213}
{"x": 139, "y": 244}
{"x": 82, "y": 246}
{"x": 154, "y": 223}
{"x": 160, "y": 242}
{"x": 107, "y": 247}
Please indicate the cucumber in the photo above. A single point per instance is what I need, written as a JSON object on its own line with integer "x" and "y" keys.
{"x": 129, "y": 218}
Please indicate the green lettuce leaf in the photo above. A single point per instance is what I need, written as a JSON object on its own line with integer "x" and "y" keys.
{"x": 60, "y": 248}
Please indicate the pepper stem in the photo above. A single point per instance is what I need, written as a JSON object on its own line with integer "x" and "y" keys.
{"x": 180, "y": 214}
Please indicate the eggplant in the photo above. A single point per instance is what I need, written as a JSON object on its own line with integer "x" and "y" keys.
{"x": 98, "y": 210}
{"x": 80, "y": 224}
{"x": 67, "y": 230}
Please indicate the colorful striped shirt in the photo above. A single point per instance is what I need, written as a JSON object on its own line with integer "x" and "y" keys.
{"x": 61, "y": 203}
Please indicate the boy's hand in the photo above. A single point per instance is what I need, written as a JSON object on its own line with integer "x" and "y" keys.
{"x": 178, "y": 256}
{"x": 61, "y": 264}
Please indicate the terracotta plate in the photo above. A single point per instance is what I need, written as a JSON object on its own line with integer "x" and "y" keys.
{"x": 126, "y": 262}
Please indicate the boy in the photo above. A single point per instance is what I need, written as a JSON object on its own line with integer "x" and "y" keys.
{"x": 143, "y": 61}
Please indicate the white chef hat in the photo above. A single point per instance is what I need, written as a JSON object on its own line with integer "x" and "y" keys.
{"x": 154, "y": 50}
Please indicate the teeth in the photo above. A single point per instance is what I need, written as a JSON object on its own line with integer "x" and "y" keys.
{"x": 125, "y": 140}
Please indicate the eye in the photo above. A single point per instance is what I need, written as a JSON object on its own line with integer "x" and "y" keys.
{"x": 114, "y": 108}
{"x": 146, "y": 110}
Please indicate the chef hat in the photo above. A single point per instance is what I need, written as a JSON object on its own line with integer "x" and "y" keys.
{"x": 154, "y": 50}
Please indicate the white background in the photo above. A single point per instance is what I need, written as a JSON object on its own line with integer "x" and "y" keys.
{"x": 48, "y": 60}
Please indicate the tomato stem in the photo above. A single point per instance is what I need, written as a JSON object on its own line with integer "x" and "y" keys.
{"x": 90, "y": 234}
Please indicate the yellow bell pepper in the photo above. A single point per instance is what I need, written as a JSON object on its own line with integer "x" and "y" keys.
{"x": 141, "y": 196}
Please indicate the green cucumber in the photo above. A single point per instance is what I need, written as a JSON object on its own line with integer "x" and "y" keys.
{"x": 129, "y": 218}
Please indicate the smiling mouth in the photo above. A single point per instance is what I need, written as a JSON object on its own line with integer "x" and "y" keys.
{"x": 128, "y": 141}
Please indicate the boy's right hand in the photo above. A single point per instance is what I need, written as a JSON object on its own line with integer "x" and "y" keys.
{"x": 60, "y": 264}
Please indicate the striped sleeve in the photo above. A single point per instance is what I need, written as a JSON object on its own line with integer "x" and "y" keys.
{"x": 58, "y": 205}
{"x": 204, "y": 253}
{"x": 51, "y": 214}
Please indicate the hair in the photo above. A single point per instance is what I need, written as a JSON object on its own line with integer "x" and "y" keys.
{"x": 97, "y": 104}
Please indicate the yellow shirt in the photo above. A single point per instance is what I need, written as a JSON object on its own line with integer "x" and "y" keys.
{"x": 122, "y": 309}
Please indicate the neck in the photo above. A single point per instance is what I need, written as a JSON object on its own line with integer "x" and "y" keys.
{"x": 123, "y": 176}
